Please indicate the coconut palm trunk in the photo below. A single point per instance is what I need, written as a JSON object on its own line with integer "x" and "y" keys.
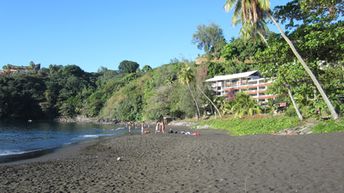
{"x": 294, "y": 103}
{"x": 185, "y": 77}
{"x": 194, "y": 99}
{"x": 209, "y": 100}
{"x": 297, "y": 110}
{"x": 263, "y": 38}
{"x": 304, "y": 65}
{"x": 288, "y": 87}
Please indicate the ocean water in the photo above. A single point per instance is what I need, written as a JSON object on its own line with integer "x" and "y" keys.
{"x": 22, "y": 140}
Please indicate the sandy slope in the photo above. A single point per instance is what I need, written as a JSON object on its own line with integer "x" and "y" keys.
{"x": 213, "y": 162}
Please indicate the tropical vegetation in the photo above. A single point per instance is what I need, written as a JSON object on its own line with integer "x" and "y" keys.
{"x": 311, "y": 85}
{"x": 252, "y": 125}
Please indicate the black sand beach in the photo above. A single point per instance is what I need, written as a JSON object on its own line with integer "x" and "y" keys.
{"x": 212, "y": 162}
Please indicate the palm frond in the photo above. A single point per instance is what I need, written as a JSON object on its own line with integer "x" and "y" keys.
{"x": 251, "y": 14}
{"x": 264, "y": 4}
{"x": 229, "y": 4}
{"x": 237, "y": 13}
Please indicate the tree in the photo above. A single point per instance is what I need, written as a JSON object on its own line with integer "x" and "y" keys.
{"x": 158, "y": 105}
{"x": 20, "y": 96}
{"x": 297, "y": 13}
{"x": 244, "y": 105}
{"x": 146, "y": 68}
{"x": 210, "y": 39}
{"x": 251, "y": 13}
{"x": 299, "y": 115}
{"x": 211, "y": 102}
{"x": 73, "y": 70}
{"x": 35, "y": 67}
{"x": 127, "y": 66}
{"x": 185, "y": 77}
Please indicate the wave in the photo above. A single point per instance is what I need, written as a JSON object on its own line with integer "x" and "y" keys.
{"x": 12, "y": 152}
{"x": 90, "y": 136}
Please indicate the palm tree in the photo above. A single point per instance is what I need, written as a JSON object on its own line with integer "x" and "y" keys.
{"x": 244, "y": 105}
{"x": 211, "y": 102}
{"x": 260, "y": 28}
{"x": 185, "y": 77}
{"x": 250, "y": 13}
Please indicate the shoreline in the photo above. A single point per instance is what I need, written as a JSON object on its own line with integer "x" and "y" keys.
{"x": 211, "y": 162}
{"x": 65, "y": 152}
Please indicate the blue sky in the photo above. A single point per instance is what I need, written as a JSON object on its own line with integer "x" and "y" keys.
{"x": 95, "y": 33}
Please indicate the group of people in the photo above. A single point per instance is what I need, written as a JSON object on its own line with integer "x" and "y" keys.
{"x": 132, "y": 125}
{"x": 160, "y": 127}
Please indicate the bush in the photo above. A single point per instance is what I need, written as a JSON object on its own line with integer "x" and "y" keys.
{"x": 251, "y": 125}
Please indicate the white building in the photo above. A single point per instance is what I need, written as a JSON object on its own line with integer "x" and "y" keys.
{"x": 250, "y": 83}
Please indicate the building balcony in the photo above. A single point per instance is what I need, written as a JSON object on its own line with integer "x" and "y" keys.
{"x": 246, "y": 86}
{"x": 256, "y": 91}
{"x": 264, "y": 97}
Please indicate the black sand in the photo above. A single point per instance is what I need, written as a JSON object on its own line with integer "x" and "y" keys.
{"x": 212, "y": 162}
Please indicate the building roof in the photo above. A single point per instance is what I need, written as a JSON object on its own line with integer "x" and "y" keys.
{"x": 231, "y": 76}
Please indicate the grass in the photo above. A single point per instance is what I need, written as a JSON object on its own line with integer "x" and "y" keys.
{"x": 329, "y": 126}
{"x": 252, "y": 125}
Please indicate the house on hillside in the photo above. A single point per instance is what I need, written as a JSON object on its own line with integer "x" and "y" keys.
{"x": 10, "y": 69}
{"x": 250, "y": 83}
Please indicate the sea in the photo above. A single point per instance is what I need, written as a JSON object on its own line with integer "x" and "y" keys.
{"x": 24, "y": 140}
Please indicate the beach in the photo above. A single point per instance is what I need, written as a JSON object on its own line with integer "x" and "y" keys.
{"x": 211, "y": 162}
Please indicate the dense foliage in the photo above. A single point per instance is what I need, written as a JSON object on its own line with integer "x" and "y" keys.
{"x": 57, "y": 90}
{"x": 210, "y": 39}
{"x": 178, "y": 89}
{"x": 156, "y": 93}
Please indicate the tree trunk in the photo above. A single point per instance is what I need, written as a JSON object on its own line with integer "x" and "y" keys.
{"x": 288, "y": 87}
{"x": 193, "y": 98}
{"x": 210, "y": 101}
{"x": 294, "y": 104}
{"x": 263, "y": 38}
{"x": 310, "y": 73}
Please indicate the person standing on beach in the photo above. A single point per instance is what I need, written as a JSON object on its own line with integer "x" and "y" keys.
{"x": 142, "y": 128}
{"x": 162, "y": 123}
{"x": 157, "y": 127}
{"x": 129, "y": 127}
